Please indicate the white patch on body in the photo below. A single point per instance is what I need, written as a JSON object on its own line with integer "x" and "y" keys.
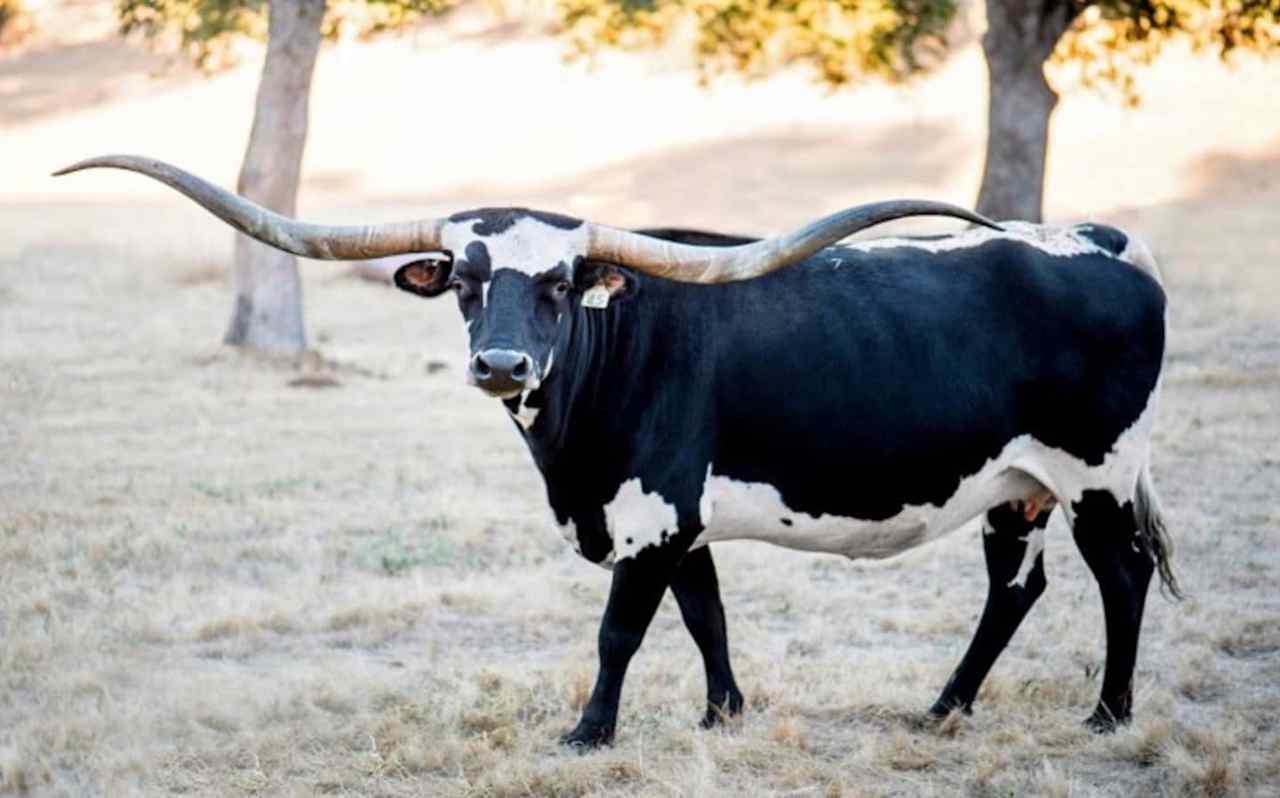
{"x": 1035, "y": 545}
{"x": 529, "y": 246}
{"x": 1052, "y": 239}
{"x": 756, "y": 511}
{"x": 1068, "y": 477}
{"x": 637, "y": 519}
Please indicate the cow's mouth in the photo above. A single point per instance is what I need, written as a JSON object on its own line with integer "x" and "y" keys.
{"x": 504, "y": 395}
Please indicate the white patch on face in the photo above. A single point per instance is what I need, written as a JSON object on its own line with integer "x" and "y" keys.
{"x": 546, "y": 367}
{"x": 1054, "y": 240}
{"x": 529, "y": 246}
{"x": 1035, "y": 545}
{"x": 637, "y": 519}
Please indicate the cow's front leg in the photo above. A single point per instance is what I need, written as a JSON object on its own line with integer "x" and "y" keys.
{"x": 638, "y": 585}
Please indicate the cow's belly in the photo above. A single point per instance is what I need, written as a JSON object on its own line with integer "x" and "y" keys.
{"x": 733, "y": 510}
{"x": 756, "y": 511}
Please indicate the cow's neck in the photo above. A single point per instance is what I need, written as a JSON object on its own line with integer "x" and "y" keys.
{"x": 618, "y": 371}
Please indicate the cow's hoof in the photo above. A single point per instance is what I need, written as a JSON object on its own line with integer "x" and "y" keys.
{"x": 719, "y": 712}
{"x": 1102, "y": 721}
{"x": 588, "y": 737}
{"x": 941, "y": 711}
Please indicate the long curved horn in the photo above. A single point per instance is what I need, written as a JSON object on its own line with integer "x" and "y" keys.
{"x": 320, "y": 241}
{"x": 693, "y": 264}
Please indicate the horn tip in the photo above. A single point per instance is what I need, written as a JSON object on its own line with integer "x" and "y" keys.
{"x": 116, "y": 161}
{"x": 66, "y": 170}
{"x": 87, "y": 163}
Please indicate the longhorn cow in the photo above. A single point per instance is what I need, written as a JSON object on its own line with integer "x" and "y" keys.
{"x": 678, "y": 388}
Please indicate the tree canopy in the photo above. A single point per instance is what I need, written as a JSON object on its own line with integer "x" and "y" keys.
{"x": 15, "y": 23}
{"x": 206, "y": 29}
{"x": 845, "y": 40}
{"x": 1108, "y": 40}
{"x": 841, "y": 39}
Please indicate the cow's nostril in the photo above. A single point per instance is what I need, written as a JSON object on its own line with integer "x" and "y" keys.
{"x": 521, "y": 370}
{"x": 480, "y": 367}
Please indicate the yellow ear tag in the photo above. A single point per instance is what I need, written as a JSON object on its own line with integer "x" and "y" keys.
{"x": 596, "y": 297}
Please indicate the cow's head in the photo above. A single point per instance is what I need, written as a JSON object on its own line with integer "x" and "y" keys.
{"x": 516, "y": 275}
{"x": 516, "y": 272}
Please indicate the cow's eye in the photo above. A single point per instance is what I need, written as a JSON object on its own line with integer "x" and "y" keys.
{"x": 561, "y": 289}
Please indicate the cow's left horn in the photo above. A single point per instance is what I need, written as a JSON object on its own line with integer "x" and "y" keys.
{"x": 321, "y": 241}
{"x": 694, "y": 264}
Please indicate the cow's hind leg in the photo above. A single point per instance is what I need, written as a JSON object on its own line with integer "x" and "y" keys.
{"x": 698, "y": 593}
{"x": 1108, "y": 536}
{"x": 1015, "y": 569}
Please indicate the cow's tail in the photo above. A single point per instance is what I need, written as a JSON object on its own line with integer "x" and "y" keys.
{"x": 1154, "y": 534}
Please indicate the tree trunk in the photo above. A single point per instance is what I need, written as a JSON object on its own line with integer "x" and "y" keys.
{"x": 1020, "y": 37}
{"x": 268, "y": 310}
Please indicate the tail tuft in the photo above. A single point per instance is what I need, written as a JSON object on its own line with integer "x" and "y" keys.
{"x": 1154, "y": 535}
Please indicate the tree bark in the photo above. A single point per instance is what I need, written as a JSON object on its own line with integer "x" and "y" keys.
{"x": 268, "y": 307}
{"x": 1020, "y": 37}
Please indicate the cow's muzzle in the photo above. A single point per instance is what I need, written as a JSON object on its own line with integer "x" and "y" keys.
{"x": 503, "y": 372}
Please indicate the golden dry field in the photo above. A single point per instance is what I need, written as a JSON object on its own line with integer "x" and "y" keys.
{"x": 223, "y": 575}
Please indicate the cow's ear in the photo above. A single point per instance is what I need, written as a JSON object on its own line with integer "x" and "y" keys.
{"x": 428, "y": 277}
{"x": 603, "y": 283}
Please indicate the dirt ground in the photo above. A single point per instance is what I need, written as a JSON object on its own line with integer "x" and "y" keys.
{"x": 221, "y": 575}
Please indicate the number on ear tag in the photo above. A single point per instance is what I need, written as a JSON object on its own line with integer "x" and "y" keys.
{"x": 596, "y": 297}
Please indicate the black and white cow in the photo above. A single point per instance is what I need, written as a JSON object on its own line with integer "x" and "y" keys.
{"x": 873, "y": 397}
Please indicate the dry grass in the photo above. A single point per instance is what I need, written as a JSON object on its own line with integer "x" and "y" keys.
{"x": 227, "y": 575}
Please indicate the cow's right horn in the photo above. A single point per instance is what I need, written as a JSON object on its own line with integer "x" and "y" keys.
{"x": 320, "y": 241}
